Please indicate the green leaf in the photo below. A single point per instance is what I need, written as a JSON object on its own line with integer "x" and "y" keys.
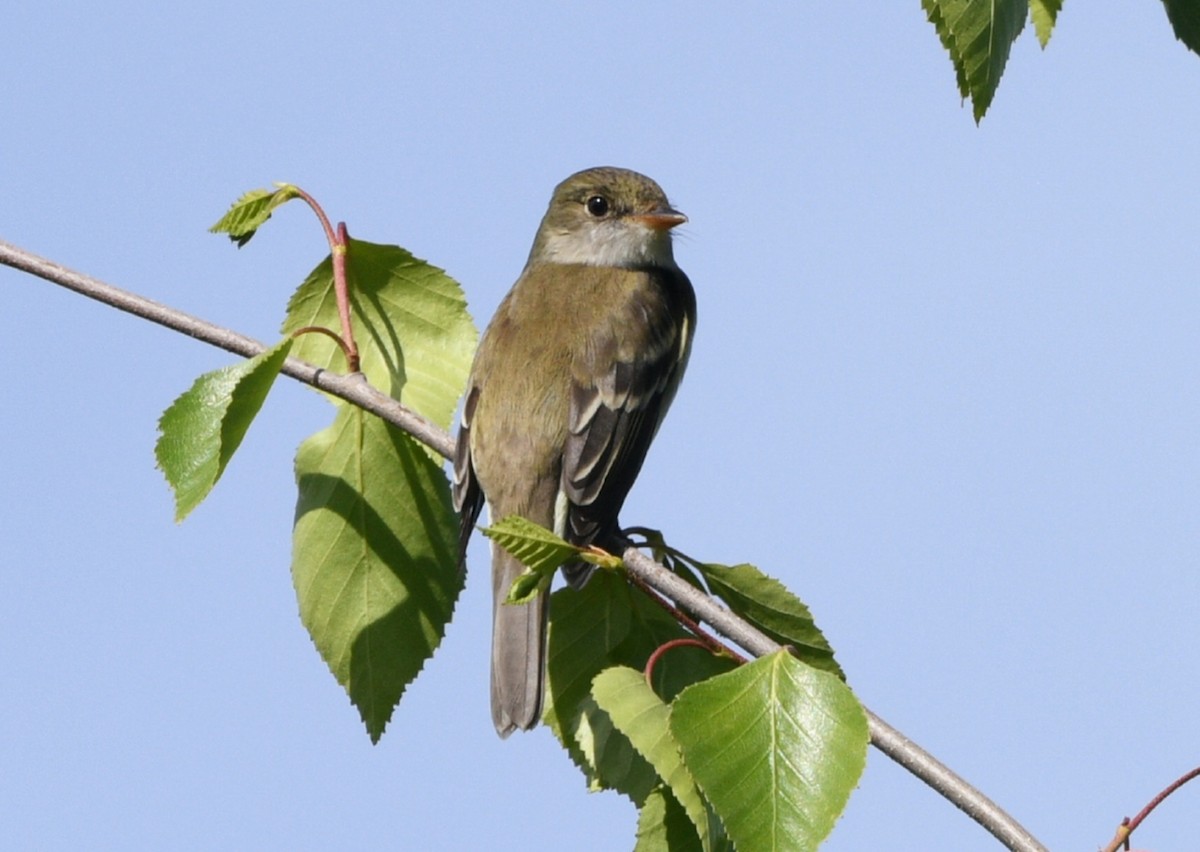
{"x": 1045, "y": 16}
{"x": 201, "y": 430}
{"x": 776, "y": 747}
{"x": 605, "y": 624}
{"x": 534, "y": 545}
{"x": 978, "y": 36}
{"x": 933, "y": 11}
{"x": 251, "y": 211}
{"x": 373, "y": 557}
{"x": 410, "y": 322}
{"x": 663, "y": 826}
{"x": 642, "y": 716}
{"x": 767, "y": 604}
{"x": 586, "y": 627}
{"x": 675, "y": 670}
{"x": 528, "y": 585}
{"x": 1184, "y": 16}
{"x": 538, "y": 549}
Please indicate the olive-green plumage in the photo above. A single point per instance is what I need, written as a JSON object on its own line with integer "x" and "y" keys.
{"x": 572, "y": 378}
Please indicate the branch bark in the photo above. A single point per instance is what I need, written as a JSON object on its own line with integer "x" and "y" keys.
{"x": 355, "y": 389}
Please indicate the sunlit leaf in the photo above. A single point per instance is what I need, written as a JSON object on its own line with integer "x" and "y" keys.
{"x": 1045, "y": 16}
{"x": 250, "y": 211}
{"x": 776, "y": 747}
{"x": 201, "y": 430}
{"x": 410, "y": 322}
{"x": 641, "y": 716}
{"x": 978, "y": 36}
{"x": 531, "y": 543}
{"x": 373, "y": 557}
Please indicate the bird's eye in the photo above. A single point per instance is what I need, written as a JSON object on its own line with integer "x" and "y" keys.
{"x": 597, "y": 205}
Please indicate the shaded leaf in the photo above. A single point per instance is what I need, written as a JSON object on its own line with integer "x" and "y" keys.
{"x": 586, "y": 627}
{"x": 663, "y": 826}
{"x": 527, "y": 586}
{"x": 1184, "y": 16}
{"x": 776, "y": 747}
{"x": 680, "y": 667}
{"x": 251, "y": 211}
{"x": 373, "y": 557}
{"x": 771, "y": 607}
{"x": 978, "y": 36}
{"x": 605, "y": 624}
{"x": 642, "y": 716}
{"x": 201, "y": 430}
{"x": 410, "y": 322}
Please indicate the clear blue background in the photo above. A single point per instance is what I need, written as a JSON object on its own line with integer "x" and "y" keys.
{"x": 944, "y": 386}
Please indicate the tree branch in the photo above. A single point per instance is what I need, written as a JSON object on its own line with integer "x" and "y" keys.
{"x": 355, "y": 389}
{"x": 883, "y": 736}
{"x": 352, "y": 388}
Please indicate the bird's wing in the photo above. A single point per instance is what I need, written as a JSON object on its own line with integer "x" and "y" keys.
{"x": 619, "y": 395}
{"x": 468, "y": 496}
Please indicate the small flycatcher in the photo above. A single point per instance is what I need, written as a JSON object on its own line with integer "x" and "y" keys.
{"x": 571, "y": 380}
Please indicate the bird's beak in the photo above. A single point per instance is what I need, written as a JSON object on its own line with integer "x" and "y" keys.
{"x": 662, "y": 219}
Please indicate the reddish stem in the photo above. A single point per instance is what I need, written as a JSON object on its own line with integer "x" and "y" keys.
{"x": 690, "y": 624}
{"x": 320, "y": 329}
{"x": 1158, "y": 800}
{"x": 342, "y": 290}
{"x": 316, "y": 208}
{"x": 685, "y": 642}
{"x": 339, "y": 244}
{"x": 1128, "y": 825}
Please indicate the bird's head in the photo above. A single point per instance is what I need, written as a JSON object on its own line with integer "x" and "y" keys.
{"x": 607, "y": 217}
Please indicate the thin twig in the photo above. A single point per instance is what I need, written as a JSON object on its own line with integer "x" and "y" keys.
{"x": 883, "y": 736}
{"x": 354, "y": 389}
{"x": 1128, "y": 825}
{"x": 689, "y": 623}
{"x": 682, "y": 642}
{"x": 339, "y": 244}
{"x": 326, "y": 226}
{"x": 332, "y": 335}
{"x": 341, "y": 289}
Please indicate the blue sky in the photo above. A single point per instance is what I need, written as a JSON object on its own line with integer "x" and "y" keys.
{"x": 943, "y": 386}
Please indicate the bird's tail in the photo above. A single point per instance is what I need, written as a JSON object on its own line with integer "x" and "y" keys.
{"x": 518, "y": 650}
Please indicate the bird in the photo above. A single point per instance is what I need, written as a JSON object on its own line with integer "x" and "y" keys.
{"x": 568, "y": 387}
